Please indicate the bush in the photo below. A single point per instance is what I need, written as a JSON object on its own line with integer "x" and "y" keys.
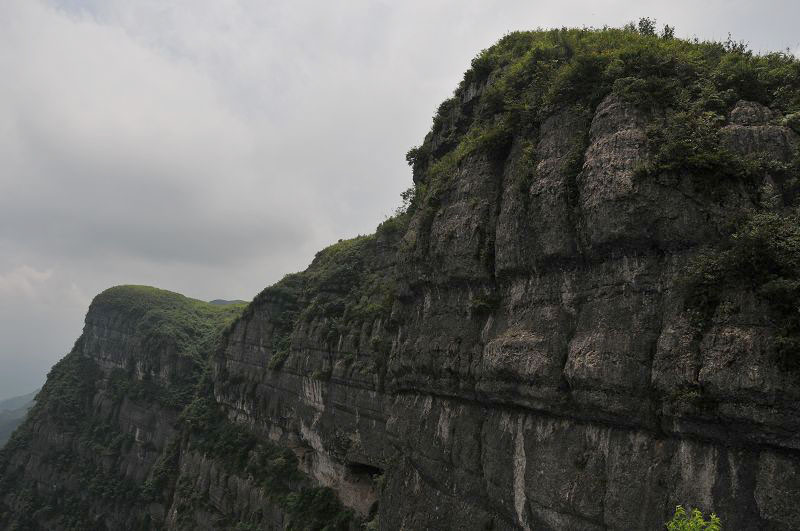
{"x": 682, "y": 521}
{"x": 763, "y": 256}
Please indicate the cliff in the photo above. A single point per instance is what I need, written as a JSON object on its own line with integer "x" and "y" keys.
{"x": 124, "y": 434}
{"x": 584, "y": 315}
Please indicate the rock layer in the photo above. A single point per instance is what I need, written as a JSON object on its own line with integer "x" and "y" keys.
{"x": 583, "y": 399}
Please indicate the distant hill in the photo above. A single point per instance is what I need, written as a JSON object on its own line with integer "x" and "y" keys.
{"x": 17, "y": 402}
{"x": 12, "y": 413}
{"x": 223, "y": 302}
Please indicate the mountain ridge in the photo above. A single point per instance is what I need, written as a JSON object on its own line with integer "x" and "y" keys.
{"x": 16, "y": 402}
{"x": 12, "y": 413}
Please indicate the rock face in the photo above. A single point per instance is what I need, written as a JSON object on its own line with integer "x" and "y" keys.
{"x": 522, "y": 349}
{"x": 119, "y": 437}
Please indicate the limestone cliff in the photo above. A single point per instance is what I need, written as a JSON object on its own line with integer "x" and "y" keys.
{"x": 585, "y": 315}
{"x": 125, "y": 435}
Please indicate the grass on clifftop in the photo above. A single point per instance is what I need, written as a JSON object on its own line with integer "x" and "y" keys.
{"x": 161, "y": 318}
{"x": 164, "y": 316}
{"x": 342, "y": 287}
{"x": 527, "y": 76}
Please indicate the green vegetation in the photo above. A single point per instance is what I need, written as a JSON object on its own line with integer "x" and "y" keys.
{"x": 164, "y": 324}
{"x": 176, "y": 394}
{"x": 68, "y": 392}
{"x": 278, "y": 358}
{"x": 682, "y": 521}
{"x": 164, "y": 470}
{"x": 684, "y": 91}
{"x": 317, "y": 508}
{"x": 169, "y": 320}
{"x": 273, "y": 468}
{"x": 687, "y": 87}
{"x": 284, "y": 301}
{"x": 64, "y": 402}
{"x": 348, "y": 289}
{"x": 10, "y": 419}
{"x": 763, "y": 256}
{"x": 342, "y": 288}
{"x": 242, "y": 452}
{"x": 689, "y": 143}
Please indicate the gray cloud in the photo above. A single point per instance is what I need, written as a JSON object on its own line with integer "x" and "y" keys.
{"x": 211, "y": 146}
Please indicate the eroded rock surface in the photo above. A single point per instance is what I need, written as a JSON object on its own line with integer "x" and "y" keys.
{"x": 581, "y": 398}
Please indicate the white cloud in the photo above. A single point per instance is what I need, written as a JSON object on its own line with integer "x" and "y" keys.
{"x": 28, "y": 285}
{"x": 119, "y": 149}
{"x": 23, "y": 281}
{"x": 40, "y": 309}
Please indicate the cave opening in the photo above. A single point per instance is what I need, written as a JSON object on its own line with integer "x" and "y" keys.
{"x": 363, "y": 470}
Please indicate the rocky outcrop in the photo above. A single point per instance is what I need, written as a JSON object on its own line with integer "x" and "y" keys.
{"x": 558, "y": 383}
{"x": 580, "y": 396}
{"x": 119, "y": 438}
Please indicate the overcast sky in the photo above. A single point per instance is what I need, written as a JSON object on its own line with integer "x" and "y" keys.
{"x": 209, "y": 146}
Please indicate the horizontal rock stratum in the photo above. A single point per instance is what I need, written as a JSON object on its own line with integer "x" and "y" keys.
{"x": 585, "y": 314}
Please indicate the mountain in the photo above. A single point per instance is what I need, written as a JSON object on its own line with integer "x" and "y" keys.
{"x": 12, "y": 413}
{"x": 223, "y": 302}
{"x": 17, "y": 402}
{"x": 584, "y": 314}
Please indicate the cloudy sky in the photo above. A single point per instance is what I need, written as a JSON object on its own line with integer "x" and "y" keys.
{"x": 211, "y": 146}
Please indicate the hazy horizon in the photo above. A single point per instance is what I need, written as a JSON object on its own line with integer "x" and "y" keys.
{"x": 211, "y": 147}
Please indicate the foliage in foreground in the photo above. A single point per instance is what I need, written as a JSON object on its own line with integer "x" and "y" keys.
{"x": 693, "y": 521}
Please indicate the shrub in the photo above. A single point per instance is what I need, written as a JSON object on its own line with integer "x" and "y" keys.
{"x": 763, "y": 256}
{"x": 682, "y": 521}
{"x": 277, "y": 360}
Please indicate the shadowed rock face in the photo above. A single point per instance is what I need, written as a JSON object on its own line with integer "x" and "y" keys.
{"x": 569, "y": 403}
{"x": 104, "y": 447}
{"x": 517, "y": 351}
